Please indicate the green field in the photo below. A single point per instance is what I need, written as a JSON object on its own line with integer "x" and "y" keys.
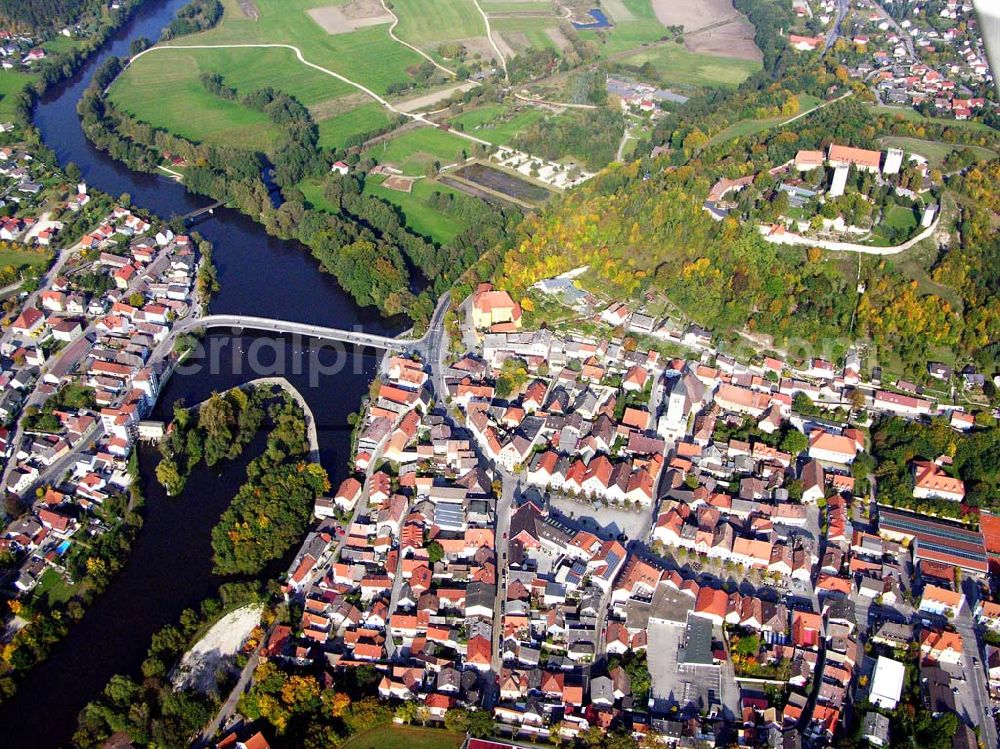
{"x": 10, "y": 83}
{"x": 498, "y": 123}
{"x": 426, "y": 23}
{"x": 164, "y": 90}
{"x": 405, "y": 737}
{"x": 530, "y": 29}
{"x": 935, "y": 151}
{"x": 364, "y": 119}
{"x": 414, "y": 150}
{"x": 513, "y": 6}
{"x": 419, "y": 216}
{"x": 674, "y": 64}
{"x": 366, "y": 55}
{"x": 25, "y": 257}
{"x": 642, "y": 29}
{"x": 900, "y": 218}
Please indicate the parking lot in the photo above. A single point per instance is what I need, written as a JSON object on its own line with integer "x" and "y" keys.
{"x": 691, "y": 687}
{"x": 607, "y": 522}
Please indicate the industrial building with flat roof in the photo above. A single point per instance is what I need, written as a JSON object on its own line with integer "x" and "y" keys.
{"x": 936, "y": 540}
{"x": 887, "y": 683}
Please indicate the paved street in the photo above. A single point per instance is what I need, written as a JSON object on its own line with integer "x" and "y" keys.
{"x": 977, "y": 710}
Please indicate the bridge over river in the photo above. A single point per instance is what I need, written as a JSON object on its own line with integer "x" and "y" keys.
{"x": 270, "y": 325}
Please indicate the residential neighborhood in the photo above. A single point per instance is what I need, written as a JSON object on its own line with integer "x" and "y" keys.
{"x": 582, "y": 533}
{"x": 83, "y": 363}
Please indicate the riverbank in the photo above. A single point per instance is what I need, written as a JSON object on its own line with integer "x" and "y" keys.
{"x": 170, "y": 565}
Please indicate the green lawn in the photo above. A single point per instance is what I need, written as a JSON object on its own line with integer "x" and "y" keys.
{"x": 420, "y": 217}
{"x": 935, "y": 151}
{"x": 405, "y": 737}
{"x": 59, "y": 43}
{"x": 900, "y": 218}
{"x": 312, "y": 189}
{"x": 674, "y": 64}
{"x": 414, "y": 150}
{"x": 53, "y": 589}
{"x": 22, "y": 258}
{"x": 10, "y": 83}
{"x": 498, "y": 123}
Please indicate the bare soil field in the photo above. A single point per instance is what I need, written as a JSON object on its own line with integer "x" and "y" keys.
{"x": 730, "y": 40}
{"x": 479, "y": 45}
{"x": 361, "y": 9}
{"x": 559, "y": 38}
{"x": 426, "y": 100}
{"x": 693, "y": 14}
{"x": 506, "y": 49}
{"x": 343, "y": 19}
{"x": 399, "y": 183}
{"x": 518, "y": 40}
{"x": 330, "y": 108}
{"x": 250, "y": 10}
{"x": 331, "y": 19}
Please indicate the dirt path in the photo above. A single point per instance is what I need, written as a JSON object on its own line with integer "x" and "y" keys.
{"x": 489, "y": 35}
{"x": 529, "y": 100}
{"x": 426, "y": 100}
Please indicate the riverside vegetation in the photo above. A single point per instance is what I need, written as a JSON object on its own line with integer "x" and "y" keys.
{"x": 272, "y": 508}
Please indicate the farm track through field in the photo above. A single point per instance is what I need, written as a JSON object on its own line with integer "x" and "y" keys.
{"x": 489, "y": 35}
{"x": 344, "y": 79}
{"x": 392, "y": 34}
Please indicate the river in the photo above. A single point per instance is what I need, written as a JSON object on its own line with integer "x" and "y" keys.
{"x": 170, "y": 567}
